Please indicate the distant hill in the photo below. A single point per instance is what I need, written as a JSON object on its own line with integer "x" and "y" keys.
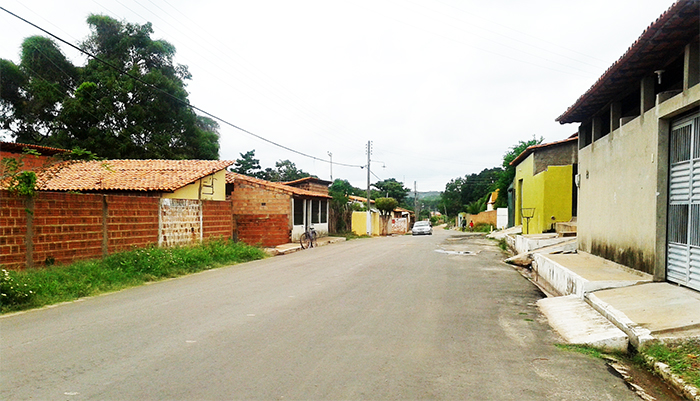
{"x": 428, "y": 194}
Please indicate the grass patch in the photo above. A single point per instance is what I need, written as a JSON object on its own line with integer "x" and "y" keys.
{"x": 585, "y": 349}
{"x": 348, "y": 235}
{"x": 682, "y": 357}
{"x": 33, "y": 288}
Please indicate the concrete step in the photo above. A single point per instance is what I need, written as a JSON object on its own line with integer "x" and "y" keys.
{"x": 578, "y": 323}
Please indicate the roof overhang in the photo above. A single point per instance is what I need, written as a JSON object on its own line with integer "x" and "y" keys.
{"x": 654, "y": 49}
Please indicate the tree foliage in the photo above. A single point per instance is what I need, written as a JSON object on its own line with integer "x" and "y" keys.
{"x": 285, "y": 170}
{"x": 508, "y": 174}
{"x": 341, "y": 190}
{"x": 248, "y": 165}
{"x": 386, "y": 205}
{"x": 390, "y": 188}
{"x": 466, "y": 193}
{"x": 47, "y": 100}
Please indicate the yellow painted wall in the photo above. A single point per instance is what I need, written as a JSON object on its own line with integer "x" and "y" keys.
{"x": 359, "y": 223}
{"x": 549, "y": 192}
{"x": 213, "y": 187}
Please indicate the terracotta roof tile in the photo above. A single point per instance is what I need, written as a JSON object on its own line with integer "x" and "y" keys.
{"x": 661, "y": 41}
{"x": 19, "y": 147}
{"x": 231, "y": 178}
{"x": 127, "y": 175}
{"x": 525, "y": 153}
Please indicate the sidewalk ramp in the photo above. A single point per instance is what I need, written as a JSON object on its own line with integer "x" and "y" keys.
{"x": 578, "y": 323}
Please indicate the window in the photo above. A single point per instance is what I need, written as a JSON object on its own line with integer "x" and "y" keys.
{"x": 324, "y": 211}
{"x": 315, "y": 206}
{"x": 298, "y": 212}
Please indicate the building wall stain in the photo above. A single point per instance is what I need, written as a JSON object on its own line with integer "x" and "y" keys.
{"x": 630, "y": 257}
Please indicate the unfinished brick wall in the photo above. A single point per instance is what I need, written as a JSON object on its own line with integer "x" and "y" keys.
{"x": 132, "y": 222}
{"x": 13, "y": 230}
{"x": 57, "y": 227}
{"x": 262, "y": 215}
{"x": 66, "y": 227}
{"x": 217, "y": 219}
{"x": 28, "y": 161}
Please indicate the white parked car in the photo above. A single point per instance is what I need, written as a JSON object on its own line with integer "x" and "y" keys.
{"x": 422, "y": 227}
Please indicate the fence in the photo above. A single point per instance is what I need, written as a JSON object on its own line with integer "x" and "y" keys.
{"x": 58, "y": 227}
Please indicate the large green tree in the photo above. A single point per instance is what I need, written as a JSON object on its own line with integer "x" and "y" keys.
{"x": 508, "y": 175}
{"x": 144, "y": 114}
{"x": 390, "y": 188}
{"x": 284, "y": 171}
{"x": 248, "y": 164}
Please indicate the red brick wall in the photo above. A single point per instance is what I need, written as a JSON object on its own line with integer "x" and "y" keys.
{"x": 132, "y": 222}
{"x": 261, "y": 215}
{"x": 13, "y": 230}
{"x": 29, "y": 162}
{"x": 217, "y": 219}
{"x": 66, "y": 227}
{"x": 263, "y": 229}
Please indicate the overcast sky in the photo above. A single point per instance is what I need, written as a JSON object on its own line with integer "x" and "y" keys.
{"x": 441, "y": 87}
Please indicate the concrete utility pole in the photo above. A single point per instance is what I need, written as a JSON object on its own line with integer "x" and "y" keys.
{"x": 331, "y": 156}
{"x": 369, "y": 212}
{"x": 415, "y": 200}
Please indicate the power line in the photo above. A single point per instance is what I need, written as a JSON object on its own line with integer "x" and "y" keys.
{"x": 193, "y": 107}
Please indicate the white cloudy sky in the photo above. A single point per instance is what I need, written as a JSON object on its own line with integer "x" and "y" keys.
{"x": 441, "y": 87}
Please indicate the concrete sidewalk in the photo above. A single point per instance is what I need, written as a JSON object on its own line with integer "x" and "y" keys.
{"x": 644, "y": 310}
{"x": 296, "y": 246}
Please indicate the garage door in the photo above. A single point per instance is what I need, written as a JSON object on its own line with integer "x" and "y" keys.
{"x": 683, "y": 257}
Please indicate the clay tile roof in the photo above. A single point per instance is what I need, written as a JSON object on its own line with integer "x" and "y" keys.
{"x": 316, "y": 179}
{"x": 359, "y": 199}
{"x": 19, "y": 147}
{"x": 657, "y": 45}
{"x": 231, "y": 178}
{"x": 127, "y": 175}
{"x": 525, "y": 153}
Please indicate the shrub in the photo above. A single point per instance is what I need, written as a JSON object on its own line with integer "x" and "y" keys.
{"x": 12, "y": 291}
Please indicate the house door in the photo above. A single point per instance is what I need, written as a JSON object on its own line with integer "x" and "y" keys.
{"x": 683, "y": 253}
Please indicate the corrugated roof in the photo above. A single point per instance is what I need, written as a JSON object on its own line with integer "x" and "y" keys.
{"x": 231, "y": 178}
{"x": 127, "y": 175}
{"x": 657, "y": 46}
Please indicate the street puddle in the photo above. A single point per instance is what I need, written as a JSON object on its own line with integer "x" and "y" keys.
{"x": 455, "y": 252}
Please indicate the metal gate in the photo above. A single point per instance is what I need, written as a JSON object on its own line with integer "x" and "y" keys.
{"x": 683, "y": 257}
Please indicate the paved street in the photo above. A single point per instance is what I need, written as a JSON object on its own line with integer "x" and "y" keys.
{"x": 383, "y": 318}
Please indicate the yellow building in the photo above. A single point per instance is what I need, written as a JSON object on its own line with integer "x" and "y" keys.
{"x": 544, "y": 185}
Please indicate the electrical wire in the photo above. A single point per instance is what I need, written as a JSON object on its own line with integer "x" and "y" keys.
{"x": 193, "y": 107}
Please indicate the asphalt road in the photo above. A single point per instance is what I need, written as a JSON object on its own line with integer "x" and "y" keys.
{"x": 383, "y": 318}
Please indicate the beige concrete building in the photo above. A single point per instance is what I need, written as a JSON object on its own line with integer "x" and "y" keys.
{"x": 639, "y": 153}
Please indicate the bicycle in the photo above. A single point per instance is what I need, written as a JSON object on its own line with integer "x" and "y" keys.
{"x": 308, "y": 238}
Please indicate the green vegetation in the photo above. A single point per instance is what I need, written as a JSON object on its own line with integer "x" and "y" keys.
{"x": 470, "y": 193}
{"x": 586, "y": 350}
{"x": 46, "y": 100}
{"x": 682, "y": 357}
{"x": 34, "y": 288}
{"x": 350, "y": 235}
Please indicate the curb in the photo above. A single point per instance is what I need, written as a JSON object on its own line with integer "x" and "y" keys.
{"x": 638, "y": 335}
{"x": 686, "y": 390}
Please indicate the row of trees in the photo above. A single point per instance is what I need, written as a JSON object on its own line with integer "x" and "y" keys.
{"x": 135, "y": 107}
{"x": 284, "y": 170}
{"x": 470, "y": 193}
